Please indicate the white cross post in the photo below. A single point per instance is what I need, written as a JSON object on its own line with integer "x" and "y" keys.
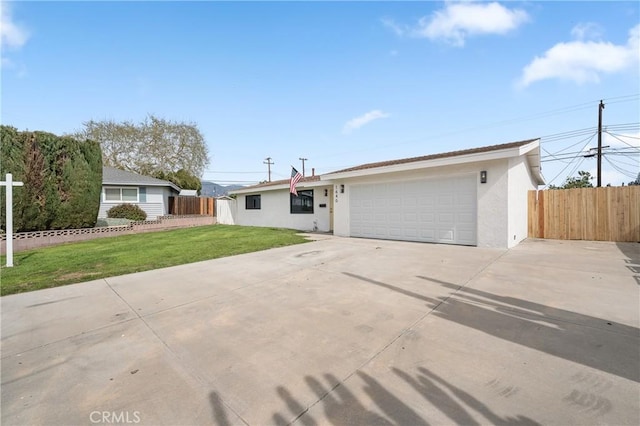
{"x": 9, "y": 183}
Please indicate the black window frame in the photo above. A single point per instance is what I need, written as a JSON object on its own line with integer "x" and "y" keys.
{"x": 302, "y": 203}
{"x": 253, "y": 205}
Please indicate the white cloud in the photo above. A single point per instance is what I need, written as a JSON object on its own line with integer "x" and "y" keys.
{"x": 620, "y": 140}
{"x": 393, "y": 26}
{"x": 457, "y": 21}
{"x": 12, "y": 34}
{"x": 586, "y": 31}
{"x": 610, "y": 176}
{"x": 583, "y": 61}
{"x": 356, "y": 123}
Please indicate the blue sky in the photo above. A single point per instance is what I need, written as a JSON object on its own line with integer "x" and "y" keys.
{"x": 338, "y": 83}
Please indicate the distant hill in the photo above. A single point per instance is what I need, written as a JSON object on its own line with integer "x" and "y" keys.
{"x": 212, "y": 189}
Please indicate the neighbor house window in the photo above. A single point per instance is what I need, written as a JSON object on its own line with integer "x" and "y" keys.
{"x": 121, "y": 195}
{"x": 252, "y": 202}
{"x": 303, "y": 203}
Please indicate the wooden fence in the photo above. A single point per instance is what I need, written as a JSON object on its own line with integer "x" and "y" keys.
{"x": 192, "y": 205}
{"x": 597, "y": 214}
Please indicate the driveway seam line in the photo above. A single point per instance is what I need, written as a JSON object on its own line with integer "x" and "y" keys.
{"x": 416, "y": 322}
{"x": 67, "y": 338}
{"x": 175, "y": 356}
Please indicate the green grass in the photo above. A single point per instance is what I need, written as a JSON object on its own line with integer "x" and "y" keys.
{"x": 107, "y": 257}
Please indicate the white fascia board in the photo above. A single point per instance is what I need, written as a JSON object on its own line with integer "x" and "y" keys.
{"x": 532, "y": 152}
{"x": 278, "y": 188}
{"x": 438, "y": 162}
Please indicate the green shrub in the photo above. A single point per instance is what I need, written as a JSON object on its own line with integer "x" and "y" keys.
{"x": 127, "y": 211}
{"x": 62, "y": 180}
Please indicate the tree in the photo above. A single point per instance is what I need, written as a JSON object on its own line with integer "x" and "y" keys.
{"x": 152, "y": 146}
{"x": 182, "y": 178}
{"x": 62, "y": 180}
{"x": 635, "y": 182}
{"x": 582, "y": 181}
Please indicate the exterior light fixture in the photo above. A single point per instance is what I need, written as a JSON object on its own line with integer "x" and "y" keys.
{"x": 341, "y": 188}
{"x": 483, "y": 176}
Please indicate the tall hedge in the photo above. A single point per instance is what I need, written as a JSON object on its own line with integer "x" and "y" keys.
{"x": 62, "y": 180}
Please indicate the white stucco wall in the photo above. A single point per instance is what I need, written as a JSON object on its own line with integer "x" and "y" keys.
{"x": 492, "y": 205}
{"x": 157, "y": 202}
{"x": 275, "y": 211}
{"x": 492, "y": 222}
{"x": 520, "y": 182}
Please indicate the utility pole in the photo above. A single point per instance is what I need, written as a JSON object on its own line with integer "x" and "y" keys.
{"x": 600, "y": 108}
{"x": 303, "y": 160}
{"x": 268, "y": 162}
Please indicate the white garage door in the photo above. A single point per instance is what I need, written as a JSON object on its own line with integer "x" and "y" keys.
{"x": 433, "y": 210}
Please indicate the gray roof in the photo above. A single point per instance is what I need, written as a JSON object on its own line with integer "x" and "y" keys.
{"x": 113, "y": 176}
{"x": 436, "y": 156}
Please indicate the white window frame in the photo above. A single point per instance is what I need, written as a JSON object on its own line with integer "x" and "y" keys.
{"x": 120, "y": 200}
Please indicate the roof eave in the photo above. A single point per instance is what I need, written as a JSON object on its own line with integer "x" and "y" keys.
{"x": 436, "y": 162}
{"x": 532, "y": 151}
{"x": 256, "y": 189}
{"x": 167, "y": 184}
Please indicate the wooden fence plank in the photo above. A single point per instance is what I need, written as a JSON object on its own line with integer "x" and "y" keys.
{"x": 192, "y": 206}
{"x": 600, "y": 214}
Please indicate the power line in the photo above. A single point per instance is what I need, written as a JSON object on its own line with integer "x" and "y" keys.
{"x": 567, "y": 166}
{"x": 571, "y": 146}
{"x": 218, "y": 171}
{"x": 623, "y": 141}
{"x": 627, "y": 173}
{"x": 546, "y": 114}
{"x": 637, "y": 164}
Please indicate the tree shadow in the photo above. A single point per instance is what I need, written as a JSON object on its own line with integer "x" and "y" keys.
{"x": 632, "y": 252}
{"x": 598, "y": 343}
{"x": 219, "y": 411}
{"x": 458, "y": 406}
{"x": 594, "y": 342}
{"x": 341, "y": 407}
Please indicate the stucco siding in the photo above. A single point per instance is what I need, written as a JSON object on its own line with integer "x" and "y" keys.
{"x": 520, "y": 182}
{"x": 492, "y": 205}
{"x": 275, "y": 211}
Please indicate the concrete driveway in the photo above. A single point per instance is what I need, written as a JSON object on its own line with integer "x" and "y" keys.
{"x": 337, "y": 331}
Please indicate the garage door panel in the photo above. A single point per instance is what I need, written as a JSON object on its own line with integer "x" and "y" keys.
{"x": 445, "y": 235}
{"x": 411, "y": 233}
{"x": 466, "y": 236}
{"x": 410, "y": 218}
{"x": 434, "y": 210}
{"x": 466, "y": 218}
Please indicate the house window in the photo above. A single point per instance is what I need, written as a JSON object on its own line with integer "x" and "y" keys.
{"x": 303, "y": 203}
{"x": 119, "y": 195}
{"x": 252, "y": 202}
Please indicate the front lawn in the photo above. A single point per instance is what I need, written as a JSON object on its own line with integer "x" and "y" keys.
{"x": 107, "y": 257}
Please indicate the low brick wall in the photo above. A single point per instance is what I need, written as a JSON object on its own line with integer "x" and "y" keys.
{"x": 32, "y": 240}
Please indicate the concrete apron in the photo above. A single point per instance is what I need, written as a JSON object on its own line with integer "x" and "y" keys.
{"x": 337, "y": 331}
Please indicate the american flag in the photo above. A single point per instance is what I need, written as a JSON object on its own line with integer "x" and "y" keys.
{"x": 295, "y": 178}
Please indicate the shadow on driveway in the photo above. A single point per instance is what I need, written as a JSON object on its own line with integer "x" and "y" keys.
{"x": 632, "y": 252}
{"x": 605, "y": 345}
{"x": 340, "y": 406}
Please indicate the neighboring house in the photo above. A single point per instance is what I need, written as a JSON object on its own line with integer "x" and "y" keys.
{"x": 188, "y": 193}
{"x": 151, "y": 194}
{"x": 472, "y": 197}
